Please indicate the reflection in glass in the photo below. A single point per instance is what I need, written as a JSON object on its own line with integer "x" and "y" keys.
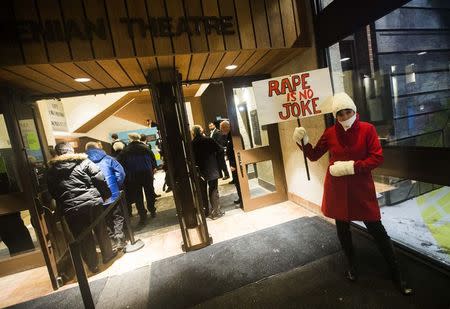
{"x": 399, "y": 74}
{"x": 17, "y": 234}
{"x": 9, "y": 179}
{"x": 253, "y": 135}
{"x": 416, "y": 214}
{"x": 260, "y": 178}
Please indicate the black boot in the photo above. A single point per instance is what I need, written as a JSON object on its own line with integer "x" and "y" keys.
{"x": 345, "y": 238}
{"x": 387, "y": 250}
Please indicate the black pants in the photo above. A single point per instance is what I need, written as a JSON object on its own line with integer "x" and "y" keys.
{"x": 236, "y": 184}
{"x": 78, "y": 220}
{"x": 223, "y": 169}
{"x": 114, "y": 221}
{"x": 210, "y": 195}
{"x": 382, "y": 240}
{"x": 15, "y": 234}
{"x": 135, "y": 186}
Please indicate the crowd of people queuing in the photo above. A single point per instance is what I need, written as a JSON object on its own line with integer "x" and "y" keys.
{"x": 85, "y": 184}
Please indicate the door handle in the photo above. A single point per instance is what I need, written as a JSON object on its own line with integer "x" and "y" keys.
{"x": 240, "y": 164}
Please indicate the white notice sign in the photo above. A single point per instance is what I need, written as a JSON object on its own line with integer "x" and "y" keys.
{"x": 293, "y": 96}
{"x": 57, "y": 116}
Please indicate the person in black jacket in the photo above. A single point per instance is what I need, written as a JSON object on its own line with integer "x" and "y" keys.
{"x": 139, "y": 163}
{"x": 205, "y": 152}
{"x": 219, "y": 138}
{"x": 79, "y": 188}
{"x": 225, "y": 128}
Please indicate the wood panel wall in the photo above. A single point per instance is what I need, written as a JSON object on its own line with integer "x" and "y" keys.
{"x": 258, "y": 24}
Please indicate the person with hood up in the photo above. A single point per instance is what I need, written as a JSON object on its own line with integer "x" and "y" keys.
{"x": 79, "y": 189}
{"x": 349, "y": 190}
{"x": 115, "y": 176}
{"x": 139, "y": 164}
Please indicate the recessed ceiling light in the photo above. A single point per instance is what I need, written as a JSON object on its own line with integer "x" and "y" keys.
{"x": 231, "y": 67}
{"x": 345, "y": 59}
{"x": 422, "y": 53}
{"x": 82, "y": 79}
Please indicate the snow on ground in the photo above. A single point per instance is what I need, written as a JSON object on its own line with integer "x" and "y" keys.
{"x": 404, "y": 223}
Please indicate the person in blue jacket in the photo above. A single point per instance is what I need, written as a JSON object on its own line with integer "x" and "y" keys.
{"x": 115, "y": 176}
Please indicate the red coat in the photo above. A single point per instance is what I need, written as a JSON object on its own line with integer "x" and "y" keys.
{"x": 350, "y": 197}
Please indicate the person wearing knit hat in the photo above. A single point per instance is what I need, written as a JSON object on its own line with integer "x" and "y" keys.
{"x": 140, "y": 165}
{"x": 349, "y": 190}
{"x": 79, "y": 189}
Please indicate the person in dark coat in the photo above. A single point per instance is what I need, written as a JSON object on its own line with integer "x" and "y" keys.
{"x": 225, "y": 129}
{"x": 139, "y": 163}
{"x": 215, "y": 134}
{"x": 79, "y": 188}
{"x": 349, "y": 190}
{"x": 15, "y": 234}
{"x": 115, "y": 177}
{"x": 167, "y": 186}
{"x": 205, "y": 153}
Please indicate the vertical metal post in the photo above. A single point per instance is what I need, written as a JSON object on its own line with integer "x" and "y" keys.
{"x": 126, "y": 216}
{"x": 83, "y": 283}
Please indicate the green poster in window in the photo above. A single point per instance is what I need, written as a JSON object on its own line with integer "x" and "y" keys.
{"x": 33, "y": 141}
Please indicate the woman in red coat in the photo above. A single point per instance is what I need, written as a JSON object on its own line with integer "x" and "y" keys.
{"x": 349, "y": 191}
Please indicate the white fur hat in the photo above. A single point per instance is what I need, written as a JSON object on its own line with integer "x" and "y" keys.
{"x": 342, "y": 101}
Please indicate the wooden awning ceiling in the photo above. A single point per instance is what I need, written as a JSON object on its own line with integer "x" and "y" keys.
{"x": 46, "y": 44}
{"x": 58, "y": 78}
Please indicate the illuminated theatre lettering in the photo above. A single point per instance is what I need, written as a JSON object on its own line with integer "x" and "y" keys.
{"x": 55, "y": 30}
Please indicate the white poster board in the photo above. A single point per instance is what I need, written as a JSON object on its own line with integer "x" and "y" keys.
{"x": 293, "y": 96}
{"x": 57, "y": 116}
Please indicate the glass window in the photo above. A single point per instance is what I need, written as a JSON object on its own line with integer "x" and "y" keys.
{"x": 253, "y": 134}
{"x": 18, "y": 235}
{"x": 397, "y": 70}
{"x": 260, "y": 178}
{"x": 9, "y": 177}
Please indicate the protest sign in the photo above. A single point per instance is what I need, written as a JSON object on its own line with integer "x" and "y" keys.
{"x": 293, "y": 96}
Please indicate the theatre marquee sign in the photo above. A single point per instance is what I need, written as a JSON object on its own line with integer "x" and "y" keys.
{"x": 55, "y": 30}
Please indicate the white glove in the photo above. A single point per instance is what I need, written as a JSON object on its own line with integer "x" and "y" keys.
{"x": 299, "y": 134}
{"x": 342, "y": 168}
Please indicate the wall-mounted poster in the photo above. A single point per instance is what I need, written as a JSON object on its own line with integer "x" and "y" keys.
{"x": 57, "y": 116}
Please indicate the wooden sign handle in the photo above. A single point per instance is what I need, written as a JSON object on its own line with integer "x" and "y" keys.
{"x": 304, "y": 155}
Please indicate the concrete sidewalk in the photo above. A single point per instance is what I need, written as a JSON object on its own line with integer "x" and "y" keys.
{"x": 294, "y": 264}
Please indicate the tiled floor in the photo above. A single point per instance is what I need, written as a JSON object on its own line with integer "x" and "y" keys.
{"x": 159, "y": 244}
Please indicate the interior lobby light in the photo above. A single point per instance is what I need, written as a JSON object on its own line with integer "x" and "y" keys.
{"x": 231, "y": 67}
{"x": 82, "y": 79}
{"x": 345, "y": 59}
{"x": 422, "y": 53}
{"x": 201, "y": 89}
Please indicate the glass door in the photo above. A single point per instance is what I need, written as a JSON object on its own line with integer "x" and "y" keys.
{"x": 25, "y": 237}
{"x": 257, "y": 149}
